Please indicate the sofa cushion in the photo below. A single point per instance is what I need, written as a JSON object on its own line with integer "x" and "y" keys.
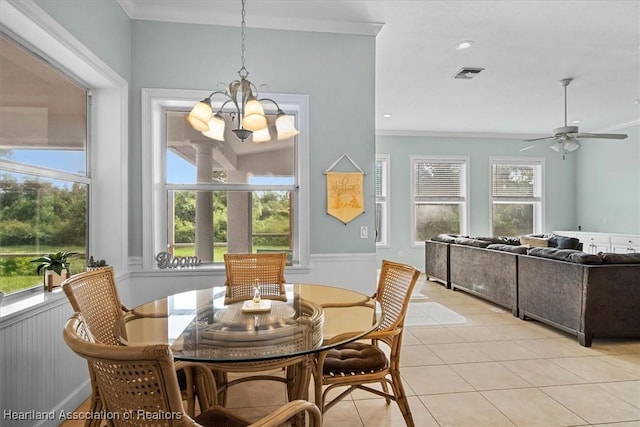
{"x": 563, "y": 242}
{"x": 568, "y": 255}
{"x": 445, "y": 238}
{"x": 580, "y": 257}
{"x": 472, "y": 242}
{"x": 534, "y": 241}
{"x": 503, "y": 240}
{"x": 508, "y": 248}
{"x": 613, "y": 258}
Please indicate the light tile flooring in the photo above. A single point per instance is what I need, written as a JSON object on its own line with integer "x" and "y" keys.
{"x": 466, "y": 362}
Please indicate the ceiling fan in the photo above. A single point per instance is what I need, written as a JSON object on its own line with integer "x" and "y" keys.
{"x": 565, "y": 138}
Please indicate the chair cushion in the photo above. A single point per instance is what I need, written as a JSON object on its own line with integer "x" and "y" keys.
{"x": 355, "y": 357}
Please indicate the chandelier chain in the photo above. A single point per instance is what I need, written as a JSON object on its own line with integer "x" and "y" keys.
{"x": 243, "y": 71}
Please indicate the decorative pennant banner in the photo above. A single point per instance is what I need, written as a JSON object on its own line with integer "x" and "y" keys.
{"x": 345, "y": 198}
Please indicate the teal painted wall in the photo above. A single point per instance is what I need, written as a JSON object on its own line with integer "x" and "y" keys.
{"x": 336, "y": 71}
{"x": 101, "y": 25}
{"x": 608, "y": 183}
{"x": 559, "y": 188}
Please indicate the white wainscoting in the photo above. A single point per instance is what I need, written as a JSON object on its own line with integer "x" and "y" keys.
{"x": 37, "y": 370}
{"x": 356, "y": 271}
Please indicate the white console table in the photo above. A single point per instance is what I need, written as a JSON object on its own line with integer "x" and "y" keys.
{"x": 605, "y": 242}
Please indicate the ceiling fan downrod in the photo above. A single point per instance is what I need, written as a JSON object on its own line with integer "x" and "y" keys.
{"x": 565, "y": 129}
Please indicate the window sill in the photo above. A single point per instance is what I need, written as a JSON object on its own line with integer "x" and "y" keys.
{"x": 19, "y": 306}
{"x": 25, "y": 304}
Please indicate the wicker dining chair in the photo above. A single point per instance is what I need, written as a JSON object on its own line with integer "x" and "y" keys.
{"x": 140, "y": 386}
{"x": 94, "y": 294}
{"x": 358, "y": 364}
{"x": 244, "y": 271}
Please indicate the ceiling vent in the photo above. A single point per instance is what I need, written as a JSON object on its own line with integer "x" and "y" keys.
{"x": 467, "y": 73}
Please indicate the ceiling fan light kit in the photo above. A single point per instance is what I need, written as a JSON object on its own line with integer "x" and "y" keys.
{"x": 565, "y": 138}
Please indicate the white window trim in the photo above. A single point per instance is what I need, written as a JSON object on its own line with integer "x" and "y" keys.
{"x": 464, "y": 222}
{"x": 539, "y": 215}
{"x": 108, "y": 156}
{"x": 386, "y": 238}
{"x": 154, "y": 103}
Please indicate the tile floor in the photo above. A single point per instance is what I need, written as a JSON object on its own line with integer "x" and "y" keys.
{"x": 466, "y": 362}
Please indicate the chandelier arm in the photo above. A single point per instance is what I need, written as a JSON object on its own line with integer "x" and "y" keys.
{"x": 231, "y": 99}
{"x": 244, "y": 96}
{"x": 274, "y": 102}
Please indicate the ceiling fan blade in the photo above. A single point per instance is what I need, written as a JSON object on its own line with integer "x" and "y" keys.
{"x": 600, "y": 135}
{"x": 539, "y": 139}
{"x": 527, "y": 148}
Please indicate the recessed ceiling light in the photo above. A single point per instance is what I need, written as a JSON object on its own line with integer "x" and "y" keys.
{"x": 636, "y": 101}
{"x": 386, "y": 116}
{"x": 577, "y": 121}
{"x": 465, "y": 44}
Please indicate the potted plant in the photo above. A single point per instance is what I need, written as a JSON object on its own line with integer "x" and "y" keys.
{"x": 55, "y": 266}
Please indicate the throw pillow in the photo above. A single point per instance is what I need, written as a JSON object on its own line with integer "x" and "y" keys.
{"x": 563, "y": 242}
{"x": 534, "y": 242}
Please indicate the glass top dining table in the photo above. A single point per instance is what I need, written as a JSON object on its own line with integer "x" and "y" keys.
{"x": 199, "y": 326}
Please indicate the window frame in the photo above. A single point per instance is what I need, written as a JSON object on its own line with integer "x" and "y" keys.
{"x": 385, "y": 200}
{"x": 538, "y": 202}
{"x": 107, "y": 156}
{"x": 37, "y": 171}
{"x": 464, "y": 211}
{"x": 155, "y": 102}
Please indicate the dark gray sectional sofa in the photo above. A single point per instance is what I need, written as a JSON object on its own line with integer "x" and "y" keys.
{"x": 487, "y": 273}
{"x": 583, "y": 294}
{"x": 437, "y": 261}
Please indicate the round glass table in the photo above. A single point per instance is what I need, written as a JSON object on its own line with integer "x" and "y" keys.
{"x": 200, "y": 327}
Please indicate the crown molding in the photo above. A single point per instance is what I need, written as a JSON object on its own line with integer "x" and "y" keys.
{"x": 175, "y": 13}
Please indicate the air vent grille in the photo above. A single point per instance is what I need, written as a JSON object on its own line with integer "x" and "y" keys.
{"x": 467, "y": 73}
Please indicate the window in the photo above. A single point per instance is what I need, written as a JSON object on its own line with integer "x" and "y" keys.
{"x": 382, "y": 200}
{"x": 216, "y": 197}
{"x": 44, "y": 182}
{"x": 439, "y": 196}
{"x": 516, "y": 191}
{"x": 230, "y": 196}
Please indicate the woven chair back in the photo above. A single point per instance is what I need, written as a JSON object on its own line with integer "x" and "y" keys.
{"x": 244, "y": 271}
{"x": 395, "y": 287}
{"x": 138, "y": 384}
{"x": 94, "y": 294}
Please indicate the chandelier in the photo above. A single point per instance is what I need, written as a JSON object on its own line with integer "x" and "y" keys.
{"x": 247, "y": 110}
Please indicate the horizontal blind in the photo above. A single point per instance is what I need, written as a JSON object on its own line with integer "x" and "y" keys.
{"x": 441, "y": 180}
{"x": 514, "y": 181}
{"x": 380, "y": 178}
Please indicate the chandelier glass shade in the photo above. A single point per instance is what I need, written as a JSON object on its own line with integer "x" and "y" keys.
{"x": 245, "y": 108}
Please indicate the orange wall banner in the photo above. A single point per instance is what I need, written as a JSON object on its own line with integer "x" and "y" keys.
{"x": 345, "y": 197}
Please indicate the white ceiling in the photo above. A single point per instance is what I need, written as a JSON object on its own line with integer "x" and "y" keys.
{"x": 525, "y": 47}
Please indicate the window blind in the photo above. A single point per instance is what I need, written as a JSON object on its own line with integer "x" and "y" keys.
{"x": 514, "y": 181}
{"x": 380, "y": 178}
{"x": 438, "y": 179}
